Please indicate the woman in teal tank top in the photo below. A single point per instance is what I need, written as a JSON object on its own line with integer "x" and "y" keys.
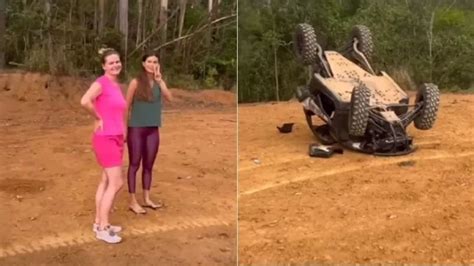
{"x": 143, "y": 136}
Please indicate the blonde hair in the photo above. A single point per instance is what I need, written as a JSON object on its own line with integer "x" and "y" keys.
{"x": 104, "y": 52}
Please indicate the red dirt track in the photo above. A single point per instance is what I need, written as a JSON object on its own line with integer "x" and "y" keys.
{"x": 355, "y": 208}
{"x": 49, "y": 176}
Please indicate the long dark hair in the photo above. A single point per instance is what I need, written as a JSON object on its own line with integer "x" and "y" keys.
{"x": 143, "y": 91}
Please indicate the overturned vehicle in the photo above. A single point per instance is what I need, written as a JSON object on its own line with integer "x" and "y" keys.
{"x": 361, "y": 109}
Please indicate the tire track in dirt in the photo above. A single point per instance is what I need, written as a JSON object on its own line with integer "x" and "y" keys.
{"x": 350, "y": 168}
{"x": 81, "y": 238}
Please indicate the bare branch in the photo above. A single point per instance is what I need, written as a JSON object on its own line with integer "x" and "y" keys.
{"x": 197, "y": 31}
{"x": 153, "y": 33}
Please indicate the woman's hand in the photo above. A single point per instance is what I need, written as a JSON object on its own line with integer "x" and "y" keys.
{"x": 157, "y": 73}
{"x": 98, "y": 125}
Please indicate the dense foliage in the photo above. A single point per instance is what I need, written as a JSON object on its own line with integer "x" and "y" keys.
{"x": 63, "y": 37}
{"x": 403, "y": 32}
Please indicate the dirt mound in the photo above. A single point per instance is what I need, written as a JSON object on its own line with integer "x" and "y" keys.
{"x": 42, "y": 87}
{"x": 38, "y": 87}
{"x": 204, "y": 98}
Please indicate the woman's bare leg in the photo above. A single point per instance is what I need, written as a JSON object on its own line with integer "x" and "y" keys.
{"x": 134, "y": 204}
{"x": 98, "y": 196}
{"x": 148, "y": 201}
{"x": 114, "y": 183}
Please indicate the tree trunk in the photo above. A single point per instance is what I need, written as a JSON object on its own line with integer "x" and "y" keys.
{"x": 81, "y": 14}
{"x": 209, "y": 30}
{"x": 124, "y": 27}
{"x": 139, "y": 24}
{"x": 275, "y": 58}
{"x": 175, "y": 27}
{"x": 148, "y": 6}
{"x": 83, "y": 21}
{"x": 47, "y": 11}
{"x": 430, "y": 44}
{"x": 2, "y": 32}
{"x": 209, "y": 6}
{"x": 182, "y": 13}
{"x": 163, "y": 22}
{"x": 156, "y": 14}
{"x": 101, "y": 17}
{"x": 117, "y": 16}
{"x": 71, "y": 10}
{"x": 96, "y": 16}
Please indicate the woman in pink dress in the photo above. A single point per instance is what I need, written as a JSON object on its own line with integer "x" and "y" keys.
{"x": 106, "y": 103}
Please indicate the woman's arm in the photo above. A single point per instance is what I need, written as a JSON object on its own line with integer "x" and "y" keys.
{"x": 88, "y": 98}
{"x": 132, "y": 87}
{"x": 165, "y": 91}
{"x": 87, "y": 102}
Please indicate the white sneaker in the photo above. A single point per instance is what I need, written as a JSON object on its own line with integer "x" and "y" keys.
{"x": 108, "y": 236}
{"x": 115, "y": 228}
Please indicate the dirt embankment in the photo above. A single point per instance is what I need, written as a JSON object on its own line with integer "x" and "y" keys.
{"x": 64, "y": 89}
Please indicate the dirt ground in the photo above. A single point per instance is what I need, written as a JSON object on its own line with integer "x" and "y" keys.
{"x": 48, "y": 178}
{"x": 355, "y": 208}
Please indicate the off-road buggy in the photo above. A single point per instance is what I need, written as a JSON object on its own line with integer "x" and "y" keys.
{"x": 362, "y": 110}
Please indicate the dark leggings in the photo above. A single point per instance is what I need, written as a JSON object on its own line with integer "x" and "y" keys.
{"x": 143, "y": 144}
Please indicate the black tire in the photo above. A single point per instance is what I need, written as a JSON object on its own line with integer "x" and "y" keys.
{"x": 305, "y": 44}
{"x": 364, "y": 38}
{"x": 429, "y": 95}
{"x": 359, "y": 112}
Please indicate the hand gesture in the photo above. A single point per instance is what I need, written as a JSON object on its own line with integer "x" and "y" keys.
{"x": 157, "y": 73}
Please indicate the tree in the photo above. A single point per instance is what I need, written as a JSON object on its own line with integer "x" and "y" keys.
{"x": 123, "y": 11}
{"x": 63, "y": 37}
{"x": 156, "y": 13}
{"x": 139, "y": 24}
{"x": 182, "y": 13}
{"x": 96, "y": 15}
{"x": 163, "y": 22}
{"x": 47, "y": 11}
{"x": 210, "y": 7}
{"x": 2, "y": 32}
{"x": 101, "y": 17}
{"x": 414, "y": 41}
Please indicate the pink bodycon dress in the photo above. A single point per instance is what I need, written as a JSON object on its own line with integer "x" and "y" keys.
{"x": 110, "y": 105}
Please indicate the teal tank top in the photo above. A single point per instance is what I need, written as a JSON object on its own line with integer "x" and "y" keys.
{"x": 147, "y": 114}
